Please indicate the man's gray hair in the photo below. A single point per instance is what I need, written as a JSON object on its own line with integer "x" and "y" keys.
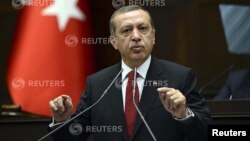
{"x": 122, "y": 10}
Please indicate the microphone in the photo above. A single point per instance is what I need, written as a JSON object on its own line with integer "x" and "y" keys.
{"x": 138, "y": 110}
{"x": 79, "y": 114}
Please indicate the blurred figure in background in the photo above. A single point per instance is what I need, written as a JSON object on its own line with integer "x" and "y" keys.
{"x": 237, "y": 86}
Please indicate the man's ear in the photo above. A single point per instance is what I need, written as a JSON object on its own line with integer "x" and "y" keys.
{"x": 113, "y": 42}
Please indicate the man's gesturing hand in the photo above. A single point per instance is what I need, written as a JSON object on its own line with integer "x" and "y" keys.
{"x": 173, "y": 101}
{"x": 61, "y": 108}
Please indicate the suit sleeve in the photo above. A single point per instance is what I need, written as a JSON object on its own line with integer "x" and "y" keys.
{"x": 76, "y": 130}
{"x": 224, "y": 93}
{"x": 195, "y": 127}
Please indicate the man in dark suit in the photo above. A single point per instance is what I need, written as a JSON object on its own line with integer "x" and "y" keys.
{"x": 236, "y": 87}
{"x": 164, "y": 92}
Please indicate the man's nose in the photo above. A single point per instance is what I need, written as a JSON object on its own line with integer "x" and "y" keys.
{"x": 136, "y": 36}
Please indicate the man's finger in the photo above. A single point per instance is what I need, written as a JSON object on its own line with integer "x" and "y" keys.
{"x": 180, "y": 101}
{"x": 162, "y": 97}
{"x": 164, "y": 89}
{"x": 167, "y": 101}
{"x": 68, "y": 105}
{"x": 173, "y": 102}
{"x": 60, "y": 104}
{"x": 52, "y": 105}
{"x": 65, "y": 97}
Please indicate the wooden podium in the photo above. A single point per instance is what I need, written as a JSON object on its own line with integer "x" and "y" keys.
{"x": 23, "y": 129}
{"x": 230, "y": 111}
{"x": 31, "y": 128}
{"x": 15, "y": 126}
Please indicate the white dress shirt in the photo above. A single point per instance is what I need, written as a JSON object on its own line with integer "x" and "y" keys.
{"x": 141, "y": 70}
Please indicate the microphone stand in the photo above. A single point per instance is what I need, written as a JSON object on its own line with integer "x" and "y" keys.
{"x": 138, "y": 110}
{"x": 79, "y": 114}
{"x": 217, "y": 77}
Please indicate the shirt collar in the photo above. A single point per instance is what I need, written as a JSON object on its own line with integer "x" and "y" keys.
{"x": 142, "y": 69}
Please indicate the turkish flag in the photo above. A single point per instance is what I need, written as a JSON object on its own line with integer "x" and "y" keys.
{"x": 48, "y": 58}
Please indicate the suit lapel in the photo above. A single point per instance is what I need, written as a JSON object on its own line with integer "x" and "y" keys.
{"x": 115, "y": 100}
{"x": 149, "y": 94}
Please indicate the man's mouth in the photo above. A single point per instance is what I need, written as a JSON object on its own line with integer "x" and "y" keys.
{"x": 137, "y": 48}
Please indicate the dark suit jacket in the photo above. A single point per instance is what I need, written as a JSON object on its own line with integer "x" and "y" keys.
{"x": 237, "y": 86}
{"x": 109, "y": 111}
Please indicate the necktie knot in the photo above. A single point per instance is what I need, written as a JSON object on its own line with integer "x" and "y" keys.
{"x": 131, "y": 75}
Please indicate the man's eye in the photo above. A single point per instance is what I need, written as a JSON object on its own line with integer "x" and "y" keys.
{"x": 143, "y": 29}
{"x": 126, "y": 31}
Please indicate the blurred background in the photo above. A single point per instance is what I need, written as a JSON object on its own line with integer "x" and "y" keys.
{"x": 189, "y": 32}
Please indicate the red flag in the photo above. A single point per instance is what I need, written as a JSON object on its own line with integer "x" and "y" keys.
{"x": 48, "y": 58}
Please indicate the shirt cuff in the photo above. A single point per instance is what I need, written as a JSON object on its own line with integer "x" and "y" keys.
{"x": 53, "y": 124}
{"x": 190, "y": 114}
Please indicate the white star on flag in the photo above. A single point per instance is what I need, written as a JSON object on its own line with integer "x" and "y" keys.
{"x": 64, "y": 10}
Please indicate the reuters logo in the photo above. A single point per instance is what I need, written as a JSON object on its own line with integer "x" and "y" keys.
{"x": 118, "y": 3}
{"x": 18, "y": 83}
{"x": 118, "y": 84}
{"x": 18, "y": 4}
{"x": 71, "y": 40}
{"x": 75, "y": 129}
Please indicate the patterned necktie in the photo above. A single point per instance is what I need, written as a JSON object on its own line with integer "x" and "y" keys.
{"x": 130, "y": 111}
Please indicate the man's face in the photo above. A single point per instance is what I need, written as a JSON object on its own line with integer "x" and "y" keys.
{"x": 134, "y": 36}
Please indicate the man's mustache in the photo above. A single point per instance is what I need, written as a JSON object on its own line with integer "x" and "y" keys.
{"x": 136, "y": 44}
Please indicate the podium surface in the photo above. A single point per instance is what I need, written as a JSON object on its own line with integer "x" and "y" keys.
{"x": 31, "y": 129}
